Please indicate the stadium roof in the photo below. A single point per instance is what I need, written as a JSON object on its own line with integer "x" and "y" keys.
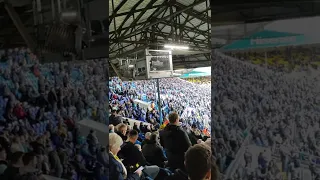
{"x": 234, "y": 21}
{"x": 266, "y": 39}
{"x": 197, "y": 72}
{"x": 136, "y": 25}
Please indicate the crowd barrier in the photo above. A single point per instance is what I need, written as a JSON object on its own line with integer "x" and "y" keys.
{"x": 143, "y": 104}
{"x": 239, "y": 156}
{"x": 101, "y": 129}
{"x": 47, "y": 177}
{"x": 132, "y": 121}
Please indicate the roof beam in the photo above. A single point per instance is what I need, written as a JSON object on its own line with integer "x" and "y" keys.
{"x": 19, "y": 25}
{"x": 138, "y": 10}
{"x": 129, "y": 15}
{"x": 148, "y": 42}
{"x": 262, "y": 14}
{"x": 114, "y": 13}
{"x": 156, "y": 13}
{"x": 199, "y": 41}
{"x": 149, "y": 5}
{"x": 189, "y": 29}
{"x": 191, "y": 12}
{"x": 160, "y": 20}
{"x": 138, "y": 49}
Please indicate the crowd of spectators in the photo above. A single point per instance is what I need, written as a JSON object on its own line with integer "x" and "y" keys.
{"x": 200, "y": 80}
{"x": 163, "y": 154}
{"x": 287, "y": 59}
{"x": 268, "y": 108}
{"x": 176, "y": 95}
{"x": 40, "y": 105}
{"x": 160, "y": 147}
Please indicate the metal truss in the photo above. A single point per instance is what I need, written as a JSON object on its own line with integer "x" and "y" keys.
{"x": 170, "y": 22}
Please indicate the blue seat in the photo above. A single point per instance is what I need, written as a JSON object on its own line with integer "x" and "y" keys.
{"x": 138, "y": 142}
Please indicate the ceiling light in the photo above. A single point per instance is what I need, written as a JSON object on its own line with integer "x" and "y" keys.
{"x": 176, "y": 47}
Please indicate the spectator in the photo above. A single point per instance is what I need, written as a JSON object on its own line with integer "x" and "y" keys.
{"x": 111, "y": 128}
{"x": 194, "y": 134}
{"x": 153, "y": 152}
{"x": 117, "y": 169}
{"x": 121, "y": 130}
{"x": 114, "y": 119}
{"x": 15, "y": 164}
{"x": 3, "y": 160}
{"x": 133, "y": 158}
{"x": 130, "y": 153}
{"x": 138, "y": 146}
{"x": 147, "y": 138}
{"x": 29, "y": 169}
{"x": 199, "y": 163}
{"x": 16, "y": 145}
{"x": 175, "y": 142}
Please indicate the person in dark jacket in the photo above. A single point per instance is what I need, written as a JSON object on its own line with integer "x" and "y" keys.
{"x": 114, "y": 119}
{"x": 147, "y": 138}
{"x": 178, "y": 175}
{"x": 121, "y": 130}
{"x": 133, "y": 157}
{"x": 153, "y": 152}
{"x": 13, "y": 169}
{"x": 3, "y": 160}
{"x": 194, "y": 134}
{"x": 175, "y": 142}
{"x": 130, "y": 153}
{"x": 117, "y": 170}
{"x": 199, "y": 164}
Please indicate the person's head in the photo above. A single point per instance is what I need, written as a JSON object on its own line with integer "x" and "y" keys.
{"x": 115, "y": 142}
{"x": 114, "y": 112}
{"x": 199, "y": 163}
{"x": 147, "y": 135}
{"x": 193, "y": 126}
{"x": 133, "y": 136}
{"x": 103, "y": 149}
{"x": 111, "y": 128}
{"x": 122, "y": 128}
{"x": 93, "y": 132}
{"x": 154, "y": 137}
{"x": 16, "y": 158}
{"x": 29, "y": 159}
{"x": 138, "y": 146}
{"x": 16, "y": 139}
{"x": 174, "y": 118}
{"x": 3, "y": 154}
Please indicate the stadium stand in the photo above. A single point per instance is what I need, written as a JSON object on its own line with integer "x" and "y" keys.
{"x": 158, "y": 146}
{"x": 286, "y": 59}
{"x": 266, "y": 120}
{"x": 39, "y": 107}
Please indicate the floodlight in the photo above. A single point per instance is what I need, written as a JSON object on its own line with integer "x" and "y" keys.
{"x": 176, "y": 47}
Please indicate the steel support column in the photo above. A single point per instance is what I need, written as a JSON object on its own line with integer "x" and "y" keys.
{"x": 159, "y": 100}
{"x": 19, "y": 25}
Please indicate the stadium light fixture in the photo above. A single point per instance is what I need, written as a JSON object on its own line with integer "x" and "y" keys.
{"x": 176, "y": 47}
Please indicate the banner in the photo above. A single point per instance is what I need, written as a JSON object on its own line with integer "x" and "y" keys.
{"x": 266, "y": 39}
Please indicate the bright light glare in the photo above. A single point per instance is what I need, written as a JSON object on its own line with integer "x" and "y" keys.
{"x": 175, "y": 47}
{"x": 203, "y": 69}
